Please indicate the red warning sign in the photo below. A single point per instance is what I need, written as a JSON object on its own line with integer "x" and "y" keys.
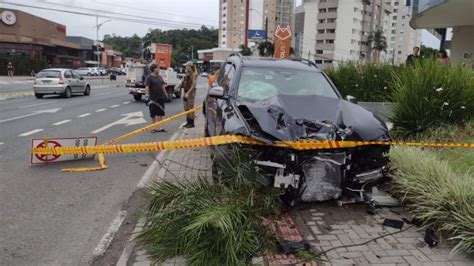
{"x": 61, "y": 142}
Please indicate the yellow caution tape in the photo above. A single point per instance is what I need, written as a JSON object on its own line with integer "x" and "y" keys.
{"x": 227, "y": 139}
{"x": 103, "y": 166}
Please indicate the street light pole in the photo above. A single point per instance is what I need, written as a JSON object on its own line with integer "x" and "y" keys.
{"x": 97, "y": 37}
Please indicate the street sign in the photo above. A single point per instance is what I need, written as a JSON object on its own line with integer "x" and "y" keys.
{"x": 61, "y": 142}
{"x": 8, "y": 17}
{"x": 257, "y": 34}
{"x": 282, "y": 42}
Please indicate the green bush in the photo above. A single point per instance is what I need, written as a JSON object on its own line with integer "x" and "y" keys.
{"x": 368, "y": 83}
{"x": 429, "y": 95}
{"x": 437, "y": 195}
{"x": 23, "y": 65}
{"x": 218, "y": 223}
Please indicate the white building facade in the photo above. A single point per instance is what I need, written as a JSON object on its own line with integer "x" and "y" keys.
{"x": 402, "y": 38}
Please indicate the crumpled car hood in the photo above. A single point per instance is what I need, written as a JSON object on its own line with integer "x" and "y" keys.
{"x": 288, "y": 117}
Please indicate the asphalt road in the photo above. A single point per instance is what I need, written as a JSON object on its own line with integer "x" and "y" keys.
{"x": 25, "y": 84}
{"x": 48, "y": 217}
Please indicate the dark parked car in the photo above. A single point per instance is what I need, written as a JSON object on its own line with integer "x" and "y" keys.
{"x": 289, "y": 100}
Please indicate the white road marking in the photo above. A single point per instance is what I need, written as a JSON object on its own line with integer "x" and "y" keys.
{"x": 84, "y": 115}
{"x": 18, "y": 82}
{"x": 51, "y": 111}
{"x": 1, "y": 143}
{"x": 100, "y": 110}
{"x": 127, "y": 102}
{"x": 129, "y": 119}
{"x": 3, "y": 82}
{"x": 30, "y": 132}
{"x": 34, "y": 105}
{"x": 109, "y": 234}
{"x": 62, "y": 122}
{"x": 115, "y": 106}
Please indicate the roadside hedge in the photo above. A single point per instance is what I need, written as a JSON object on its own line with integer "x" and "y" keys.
{"x": 368, "y": 83}
{"x": 22, "y": 65}
{"x": 429, "y": 95}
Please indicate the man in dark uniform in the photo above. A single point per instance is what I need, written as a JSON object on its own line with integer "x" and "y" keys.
{"x": 189, "y": 86}
{"x": 156, "y": 93}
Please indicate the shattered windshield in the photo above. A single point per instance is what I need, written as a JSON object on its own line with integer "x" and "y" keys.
{"x": 262, "y": 83}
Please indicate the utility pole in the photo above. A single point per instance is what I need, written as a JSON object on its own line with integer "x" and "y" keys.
{"x": 192, "y": 53}
{"x": 97, "y": 40}
{"x": 266, "y": 29}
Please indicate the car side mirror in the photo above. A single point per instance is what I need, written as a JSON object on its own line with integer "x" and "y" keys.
{"x": 217, "y": 92}
{"x": 351, "y": 99}
{"x": 81, "y": 78}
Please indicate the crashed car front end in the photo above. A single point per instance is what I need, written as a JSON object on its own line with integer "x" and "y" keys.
{"x": 311, "y": 175}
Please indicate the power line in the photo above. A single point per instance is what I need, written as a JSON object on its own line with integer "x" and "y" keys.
{"x": 142, "y": 21}
{"x": 128, "y": 15}
{"x": 148, "y": 10}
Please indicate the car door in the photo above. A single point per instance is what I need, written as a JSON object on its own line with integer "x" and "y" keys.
{"x": 217, "y": 106}
{"x": 69, "y": 80}
{"x": 80, "y": 82}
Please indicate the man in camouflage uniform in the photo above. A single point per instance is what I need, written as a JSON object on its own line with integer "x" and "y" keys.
{"x": 189, "y": 86}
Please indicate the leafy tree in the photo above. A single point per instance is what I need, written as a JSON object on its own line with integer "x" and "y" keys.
{"x": 378, "y": 43}
{"x": 428, "y": 52}
{"x": 245, "y": 50}
{"x": 184, "y": 42}
{"x": 266, "y": 48}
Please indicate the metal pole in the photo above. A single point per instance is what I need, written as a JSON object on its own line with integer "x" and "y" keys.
{"x": 97, "y": 39}
{"x": 266, "y": 29}
{"x": 192, "y": 53}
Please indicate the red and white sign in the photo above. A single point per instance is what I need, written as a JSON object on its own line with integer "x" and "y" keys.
{"x": 61, "y": 142}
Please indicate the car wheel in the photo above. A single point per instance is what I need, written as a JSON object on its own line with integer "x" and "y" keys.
{"x": 87, "y": 92}
{"x": 39, "y": 95}
{"x": 89, "y": 74}
{"x": 67, "y": 93}
{"x": 137, "y": 97}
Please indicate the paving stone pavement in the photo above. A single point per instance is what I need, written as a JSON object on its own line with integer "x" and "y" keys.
{"x": 323, "y": 225}
{"x": 326, "y": 225}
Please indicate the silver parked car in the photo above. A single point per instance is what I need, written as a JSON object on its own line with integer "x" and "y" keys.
{"x": 61, "y": 81}
{"x": 85, "y": 71}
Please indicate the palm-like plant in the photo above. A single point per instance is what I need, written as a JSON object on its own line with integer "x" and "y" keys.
{"x": 377, "y": 42}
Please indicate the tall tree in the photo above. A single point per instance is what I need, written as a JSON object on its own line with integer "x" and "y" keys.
{"x": 184, "y": 41}
{"x": 378, "y": 43}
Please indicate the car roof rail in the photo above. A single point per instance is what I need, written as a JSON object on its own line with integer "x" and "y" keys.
{"x": 306, "y": 61}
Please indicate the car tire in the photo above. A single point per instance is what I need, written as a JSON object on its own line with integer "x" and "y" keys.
{"x": 67, "y": 93}
{"x": 137, "y": 97}
{"x": 87, "y": 91}
{"x": 39, "y": 95}
{"x": 89, "y": 74}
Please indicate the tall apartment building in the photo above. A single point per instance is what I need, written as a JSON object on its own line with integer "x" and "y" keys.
{"x": 338, "y": 30}
{"x": 236, "y": 17}
{"x": 402, "y": 38}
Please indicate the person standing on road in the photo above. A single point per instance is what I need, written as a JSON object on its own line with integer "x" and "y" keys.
{"x": 189, "y": 86}
{"x": 156, "y": 94}
{"x": 10, "y": 69}
{"x": 413, "y": 57}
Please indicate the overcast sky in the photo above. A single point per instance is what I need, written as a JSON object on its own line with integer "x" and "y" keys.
{"x": 201, "y": 12}
{"x": 195, "y": 11}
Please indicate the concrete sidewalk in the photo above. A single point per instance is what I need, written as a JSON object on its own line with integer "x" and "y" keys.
{"x": 324, "y": 225}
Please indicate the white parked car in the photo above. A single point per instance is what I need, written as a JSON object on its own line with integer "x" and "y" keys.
{"x": 61, "y": 81}
{"x": 85, "y": 71}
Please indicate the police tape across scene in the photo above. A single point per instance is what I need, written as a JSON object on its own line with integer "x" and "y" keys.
{"x": 229, "y": 139}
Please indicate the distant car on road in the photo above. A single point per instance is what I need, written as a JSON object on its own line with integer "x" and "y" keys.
{"x": 85, "y": 71}
{"x": 62, "y": 81}
{"x": 117, "y": 71}
{"x": 102, "y": 71}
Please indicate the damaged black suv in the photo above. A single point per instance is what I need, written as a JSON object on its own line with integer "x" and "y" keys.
{"x": 289, "y": 100}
